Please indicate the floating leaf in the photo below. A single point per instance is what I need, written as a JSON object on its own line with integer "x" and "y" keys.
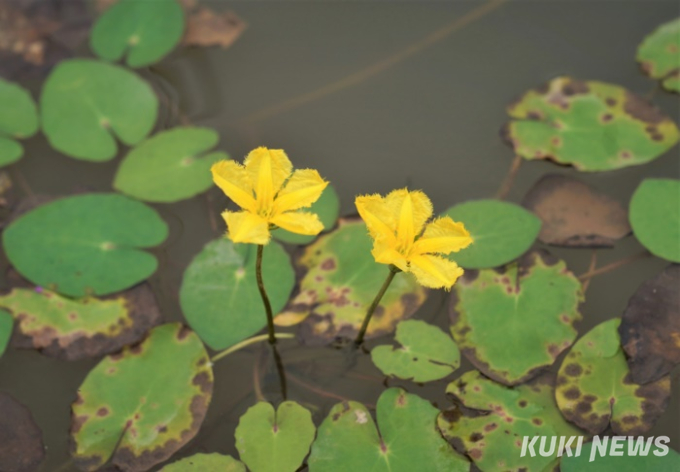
{"x": 659, "y": 55}
{"x": 633, "y": 457}
{"x": 274, "y": 441}
{"x": 206, "y": 463}
{"x": 18, "y": 119}
{"x": 170, "y": 166}
{"x": 493, "y": 434}
{"x": 207, "y": 28}
{"x": 595, "y": 389}
{"x": 21, "y": 441}
{"x": 86, "y": 244}
{"x": 136, "y": 408}
{"x": 514, "y": 321}
{"x": 348, "y": 439}
{"x": 650, "y": 327}
{"x": 327, "y": 207}
{"x": 427, "y": 353}
{"x": 574, "y": 214}
{"x": 6, "y": 326}
{"x": 74, "y": 329}
{"x": 501, "y": 232}
{"x": 655, "y": 217}
{"x": 342, "y": 280}
{"x": 86, "y": 104}
{"x": 142, "y": 31}
{"x": 593, "y": 126}
{"x": 219, "y": 294}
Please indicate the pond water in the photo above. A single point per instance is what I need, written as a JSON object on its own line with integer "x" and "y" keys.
{"x": 376, "y": 96}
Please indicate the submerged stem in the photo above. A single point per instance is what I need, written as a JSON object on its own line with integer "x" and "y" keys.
{"x": 246, "y": 343}
{"x": 360, "y": 337}
{"x": 263, "y": 294}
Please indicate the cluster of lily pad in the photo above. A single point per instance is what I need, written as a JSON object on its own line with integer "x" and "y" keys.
{"x": 84, "y": 259}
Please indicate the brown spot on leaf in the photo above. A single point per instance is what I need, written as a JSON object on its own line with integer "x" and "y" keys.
{"x": 103, "y": 411}
{"x": 572, "y": 394}
{"x": 328, "y": 264}
{"x": 642, "y": 110}
{"x": 573, "y": 370}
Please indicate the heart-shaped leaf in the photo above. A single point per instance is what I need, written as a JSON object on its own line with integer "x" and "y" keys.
{"x": 274, "y": 441}
{"x": 658, "y": 54}
{"x": 655, "y": 217}
{"x": 86, "y": 104}
{"x": 408, "y": 441}
{"x": 498, "y": 418}
{"x": 595, "y": 389}
{"x": 591, "y": 125}
{"x": 501, "y": 232}
{"x": 86, "y": 244}
{"x": 527, "y": 308}
{"x": 6, "y": 327}
{"x": 18, "y": 119}
{"x": 328, "y": 209}
{"x": 21, "y": 441}
{"x": 426, "y": 353}
{"x": 340, "y": 282}
{"x": 74, "y": 329}
{"x": 142, "y": 31}
{"x": 630, "y": 455}
{"x": 650, "y": 327}
{"x": 574, "y": 214}
{"x": 206, "y": 463}
{"x": 219, "y": 294}
{"x": 136, "y": 408}
{"x": 170, "y": 166}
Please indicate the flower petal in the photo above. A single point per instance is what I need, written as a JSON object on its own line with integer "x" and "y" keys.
{"x": 235, "y": 182}
{"x": 412, "y": 209}
{"x": 434, "y": 271}
{"x": 380, "y": 221}
{"x": 300, "y": 222}
{"x": 385, "y": 252}
{"x": 302, "y": 189}
{"x": 268, "y": 169}
{"x": 443, "y": 236}
{"x": 246, "y": 227}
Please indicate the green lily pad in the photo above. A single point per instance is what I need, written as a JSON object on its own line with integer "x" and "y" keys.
{"x": 85, "y": 245}
{"x": 659, "y": 55}
{"x": 170, "y": 166}
{"x": 18, "y": 119}
{"x": 630, "y": 460}
{"x": 6, "y": 327}
{"x": 86, "y": 104}
{"x": 74, "y": 329}
{"x": 348, "y": 439}
{"x": 427, "y": 353}
{"x": 274, "y": 441}
{"x": 136, "y": 408}
{"x": 219, "y": 294}
{"x": 595, "y": 389}
{"x": 493, "y": 431}
{"x": 655, "y": 217}
{"x": 591, "y": 125}
{"x": 513, "y": 322}
{"x": 142, "y": 31}
{"x": 501, "y": 232}
{"x": 206, "y": 463}
{"x": 328, "y": 209}
{"x": 340, "y": 282}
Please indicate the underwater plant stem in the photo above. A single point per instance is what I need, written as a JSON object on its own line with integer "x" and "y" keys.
{"x": 367, "y": 319}
{"x": 614, "y": 265}
{"x": 263, "y": 294}
{"x": 509, "y": 178}
{"x": 280, "y": 370}
{"x": 591, "y": 267}
{"x": 246, "y": 343}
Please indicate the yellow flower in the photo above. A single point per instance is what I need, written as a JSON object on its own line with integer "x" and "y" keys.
{"x": 270, "y": 195}
{"x": 402, "y": 238}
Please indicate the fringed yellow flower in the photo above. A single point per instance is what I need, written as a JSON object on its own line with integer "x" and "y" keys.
{"x": 402, "y": 238}
{"x": 270, "y": 194}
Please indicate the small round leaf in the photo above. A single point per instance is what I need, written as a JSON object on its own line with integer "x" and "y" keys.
{"x": 659, "y": 55}
{"x": 85, "y": 104}
{"x": 18, "y": 119}
{"x": 328, "y": 209}
{"x": 655, "y": 217}
{"x": 501, "y": 232}
{"x": 144, "y": 31}
{"x": 206, "y": 463}
{"x": 169, "y": 166}
{"x": 219, "y": 294}
{"x": 86, "y": 244}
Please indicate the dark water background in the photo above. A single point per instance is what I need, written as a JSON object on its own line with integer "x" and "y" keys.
{"x": 311, "y": 78}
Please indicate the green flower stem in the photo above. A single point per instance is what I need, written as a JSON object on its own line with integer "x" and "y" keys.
{"x": 263, "y": 294}
{"x": 393, "y": 271}
{"x": 248, "y": 342}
